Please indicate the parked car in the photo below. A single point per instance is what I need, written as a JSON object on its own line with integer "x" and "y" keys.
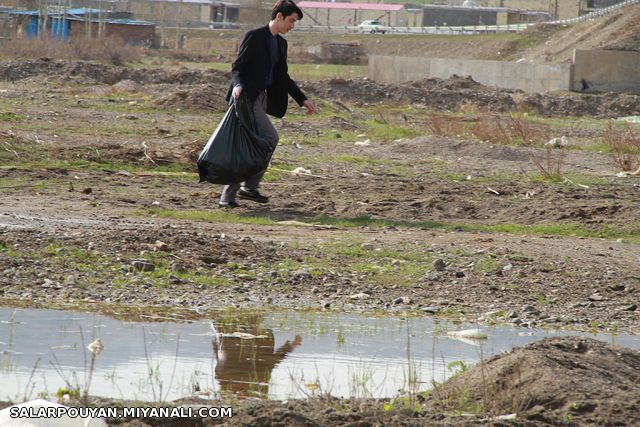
{"x": 372, "y": 26}
{"x": 223, "y": 25}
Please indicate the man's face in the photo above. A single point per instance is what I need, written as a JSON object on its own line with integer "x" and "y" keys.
{"x": 286, "y": 23}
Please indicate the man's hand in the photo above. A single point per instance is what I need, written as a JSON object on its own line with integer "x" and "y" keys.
{"x": 311, "y": 108}
{"x": 237, "y": 91}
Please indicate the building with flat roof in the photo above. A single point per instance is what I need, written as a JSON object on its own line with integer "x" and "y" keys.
{"x": 351, "y": 14}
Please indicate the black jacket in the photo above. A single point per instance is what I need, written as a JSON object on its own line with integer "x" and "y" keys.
{"x": 251, "y": 70}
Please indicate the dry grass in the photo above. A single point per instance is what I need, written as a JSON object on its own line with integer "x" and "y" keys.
{"x": 442, "y": 125}
{"x": 514, "y": 129}
{"x": 624, "y": 143}
{"x": 110, "y": 49}
{"x": 550, "y": 163}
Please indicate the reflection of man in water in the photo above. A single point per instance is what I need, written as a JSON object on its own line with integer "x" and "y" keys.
{"x": 245, "y": 364}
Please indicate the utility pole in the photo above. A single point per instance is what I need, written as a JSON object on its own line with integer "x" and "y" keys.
{"x": 178, "y": 21}
{"x": 163, "y": 23}
{"x": 100, "y": 17}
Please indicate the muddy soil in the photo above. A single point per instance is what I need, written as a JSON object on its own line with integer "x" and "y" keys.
{"x": 531, "y": 280}
{"x": 73, "y": 234}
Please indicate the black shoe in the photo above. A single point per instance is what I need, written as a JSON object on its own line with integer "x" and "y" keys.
{"x": 253, "y": 195}
{"x": 232, "y": 204}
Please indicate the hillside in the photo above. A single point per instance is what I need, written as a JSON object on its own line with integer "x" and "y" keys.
{"x": 618, "y": 31}
{"x": 542, "y": 43}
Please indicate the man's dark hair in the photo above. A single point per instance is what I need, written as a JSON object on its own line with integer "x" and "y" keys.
{"x": 286, "y": 7}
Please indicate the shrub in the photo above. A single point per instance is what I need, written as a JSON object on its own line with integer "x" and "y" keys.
{"x": 624, "y": 143}
{"x": 110, "y": 49}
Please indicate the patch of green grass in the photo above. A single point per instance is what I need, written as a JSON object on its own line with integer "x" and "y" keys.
{"x": 556, "y": 229}
{"x": 209, "y": 216}
{"x": 103, "y": 166}
{"x": 597, "y": 147}
{"x": 359, "y": 161}
{"x": 487, "y": 264}
{"x": 381, "y": 130}
{"x": 18, "y": 183}
{"x": 571, "y": 179}
{"x": 540, "y": 298}
{"x": 571, "y": 229}
{"x": 11, "y": 117}
{"x": 69, "y": 252}
{"x": 10, "y": 252}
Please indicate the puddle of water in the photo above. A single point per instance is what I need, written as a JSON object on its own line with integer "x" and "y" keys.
{"x": 279, "y": 355}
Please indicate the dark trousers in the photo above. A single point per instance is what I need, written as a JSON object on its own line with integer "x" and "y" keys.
{"x": 264, "y": 129}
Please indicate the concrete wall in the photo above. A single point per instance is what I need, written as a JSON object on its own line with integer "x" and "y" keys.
{"x": 525, "y": 76}
{"x": 538, "y": 5}
{"x": 453, "y": 17}
{"x": 606, "y": 71}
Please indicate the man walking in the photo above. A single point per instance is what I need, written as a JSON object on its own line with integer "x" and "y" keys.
{"x": 261, "y": 73}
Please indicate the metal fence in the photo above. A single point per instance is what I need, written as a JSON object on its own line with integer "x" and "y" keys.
{"x": 597, "y": 13}
{"x": 466, "y": 29}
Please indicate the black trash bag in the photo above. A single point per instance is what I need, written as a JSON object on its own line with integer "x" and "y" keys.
{"x": 235, "y": 151}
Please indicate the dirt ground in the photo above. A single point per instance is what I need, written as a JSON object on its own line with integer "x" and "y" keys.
{"x": 89, "y": 219}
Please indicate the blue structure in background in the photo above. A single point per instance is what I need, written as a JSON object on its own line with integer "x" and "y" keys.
{"x": 60, "y": 28}
{"x": 31, "y": 24}
{"x": 78, "y": 22}
{"x": 59, "y": 23}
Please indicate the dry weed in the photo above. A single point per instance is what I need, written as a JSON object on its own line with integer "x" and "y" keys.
{"x": 551, "y": 162}
{"x": 624, "y": 144}
{"x": 526, "y": 131}
{"x": 110, "y": 49}
{"x": 490, "y": 129}
{"x": 442, "y": 125}
{"x": 513, "y": 129}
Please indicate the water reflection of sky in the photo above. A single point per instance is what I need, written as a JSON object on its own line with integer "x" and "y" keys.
{"x": 343, "y": 354}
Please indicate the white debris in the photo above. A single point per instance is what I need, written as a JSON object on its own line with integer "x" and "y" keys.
{"x": 358, "y": 296}
{"x": 243, "y": 336}
{"x": 561, "y": 142}
{"x": 364, "y": 143}
{"x": 96, "y": 347}
{"x": 476, "y": 334}
{"x": 506, "y": 417}
{"x": 301, "y": 171}
{"x": 305, "y": 224}
{"x": 630, "y": 119}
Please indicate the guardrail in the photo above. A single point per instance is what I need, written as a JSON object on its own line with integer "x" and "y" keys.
{"x": 596, "y": 13}
{"x": 466, "y": 29}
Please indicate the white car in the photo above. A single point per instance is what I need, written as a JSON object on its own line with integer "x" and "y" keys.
{"x": 372, "y": 26}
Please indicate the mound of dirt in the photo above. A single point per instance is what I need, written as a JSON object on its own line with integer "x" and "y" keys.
{"x": 106, "y": 74}
{"x": 455, "y": 92}
{"x": 556, "y": 381}
{"x": 442, "y": 94}
{"x": 609, "y": 105}
{"x": 207, "y": 97}
{"x": 197, "y": 89}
